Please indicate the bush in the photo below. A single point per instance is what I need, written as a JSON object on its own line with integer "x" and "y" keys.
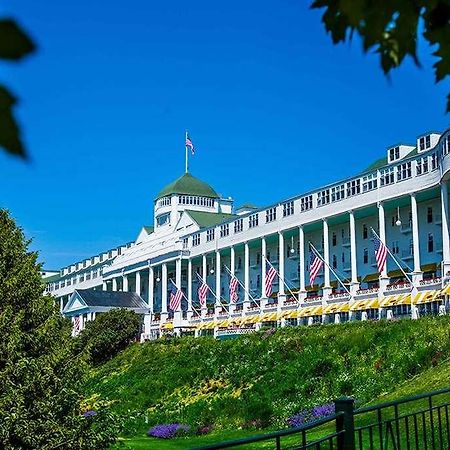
{"x": 110, "y": 333}
{"x": 168, "y": 431}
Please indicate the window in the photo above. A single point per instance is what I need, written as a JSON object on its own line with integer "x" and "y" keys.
{"x": 446, "y": 146}
{"x": 253, "y": 221}
{"x": 422, "y": 165}
{"x": 434, "y": 161}
{"x": 395, "y": 248}
{"x": 323, "y": 197}
{"x": 271, "y": 214}
{"x": 365, "y": 231}
{"x": 411, "y": 246}
{"x": 258, "y": 258}
{"x": 258, "y": 281}
{"x": 163, "y": 219}
{"x": 92, "y": 260}
{"x": 334, "y": 262}
{"x": 404, "y": 171}
{"x": 224, "y": 230}
{"x": 110, "y": 254}
{"x": 429, "y": 214}
{"x": 210, "y": 235}
{"x": 343, "y": 258}
{"x": 196, "y": 240}
{"x": 306, "y": 203}
{"x": 387, "y": 176}
{"x": 365, "y": 256}
{"x": 394, "y": 153}
{"x": 238, "y": 225}
{"x": 333, "y": 239}
{"x": 288, "y": 208}
{"x": 165, "y": 201}
{"x": 353, "y": 187}
{"x": 370, "y": 182}
{"x": 422, "y": 143}
{"x": 268, "y": 256}
{"x": 430, "y": 243}
{"x": 337, "y": 193}
{"x": 239, "y": 265}
{"x": 185, "y": 242}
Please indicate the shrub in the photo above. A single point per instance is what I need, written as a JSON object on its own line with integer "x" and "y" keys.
{"x": 168, "y": 430}
{"x": 110, "y": 333}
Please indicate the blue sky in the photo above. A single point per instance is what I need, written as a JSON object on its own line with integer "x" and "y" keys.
{"x": 273, "y": 107}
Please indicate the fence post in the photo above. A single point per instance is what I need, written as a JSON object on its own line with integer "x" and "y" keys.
{"x": 345, "y": 423}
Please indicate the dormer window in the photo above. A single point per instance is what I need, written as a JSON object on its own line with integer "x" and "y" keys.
{"x": 394, "y": 154}
{"x": 163, "y": 219}
{"x": 424, "y": 142}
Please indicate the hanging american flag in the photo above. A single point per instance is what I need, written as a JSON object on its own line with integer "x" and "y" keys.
{"x": 380, "y": 251}
{"x": 234, "y": 284}
{"x": 202, "y": 290}
{"x": 271, "y": 273}
{"x": 315, "y": 264}
{"x": 190, "y": 144}
{"x": 175, "y": 297}
{"x": 77, "y": 323}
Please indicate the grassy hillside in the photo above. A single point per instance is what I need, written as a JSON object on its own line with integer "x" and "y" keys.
{"x": 260, "y": 380}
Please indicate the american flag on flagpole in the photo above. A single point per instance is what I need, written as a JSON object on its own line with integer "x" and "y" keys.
{"x": 77, "y": 323}
{"x": 315, "y": 264}
{"x": 202, "y": 290}
{"x": 271, "y": 273}
{"x": 234, "y": 284}
{"x": 380, "y": 251}
{"x": 175, "y": 297}
{"x": 190, "y": 144}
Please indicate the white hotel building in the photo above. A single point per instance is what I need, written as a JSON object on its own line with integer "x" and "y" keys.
{"x": 403, "y": 197}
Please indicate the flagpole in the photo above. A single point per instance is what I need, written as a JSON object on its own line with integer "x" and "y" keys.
{"x": 224, "y": 305}
{"x": 281, "y": 278}
{"x": 393, "y": 257}
{"x": 329, "y": 267}
{"x": 243, "y": 287}
{"x": 186, "y": 148}
{"x": 183, "y": 294}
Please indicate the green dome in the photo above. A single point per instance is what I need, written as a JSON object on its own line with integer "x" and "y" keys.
{"x": 188, "y": 185}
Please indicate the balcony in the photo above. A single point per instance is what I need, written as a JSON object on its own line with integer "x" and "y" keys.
{"x": 406, "y": 229}
{"x": 346, "y": 242}
{"x": 373, "y": 290}
{"x": 431, "y": 281}
{"x": 399, "y": 286}
{"x": 339, "y": 296}
{"x": 407, "y": 254}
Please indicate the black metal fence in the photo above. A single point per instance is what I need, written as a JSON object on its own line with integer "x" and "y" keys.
{"x": 413, "y": 423}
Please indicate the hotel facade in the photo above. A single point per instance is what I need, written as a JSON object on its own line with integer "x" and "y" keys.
{"x": 403, "y": 197}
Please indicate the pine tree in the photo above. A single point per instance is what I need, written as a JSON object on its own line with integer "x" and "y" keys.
{"x": 41, "y": 372}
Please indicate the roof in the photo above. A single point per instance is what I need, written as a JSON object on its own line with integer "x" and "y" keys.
{"x": 384, "y": 161}
{"x": 112, "y": 299}
{"x": 207, "y": 219}
{"x": 190, "y": 185}
{"x": 149, "y": 229}
{"x": 51, "y": 278}
{"x": 247, "y": 206}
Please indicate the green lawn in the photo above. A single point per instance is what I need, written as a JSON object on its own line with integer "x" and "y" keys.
{"x": 432, "y": 379}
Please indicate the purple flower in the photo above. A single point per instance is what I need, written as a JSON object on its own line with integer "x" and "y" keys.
{"x": 167, "y": 430}
{"x": 297, "y": 420}
{"x": 323, "y": 410}
{"x": 89, "y": 413}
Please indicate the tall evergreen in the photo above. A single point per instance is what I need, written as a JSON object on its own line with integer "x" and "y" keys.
{"x": 41, "y": 373}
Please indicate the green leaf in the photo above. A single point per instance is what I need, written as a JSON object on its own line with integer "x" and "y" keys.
{"x": 14, "y": 42}
{"x": 9, "y": 131}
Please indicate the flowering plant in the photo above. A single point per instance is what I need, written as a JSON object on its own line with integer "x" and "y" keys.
{"x": 168, "y": 430}
{"x": 308, "y": 415}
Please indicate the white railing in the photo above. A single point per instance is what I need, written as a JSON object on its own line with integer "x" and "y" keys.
{"x": 235, "y": 331}
{"x": 373, "y": 290}
{"x": 398, "y": 286}
{"x": 338, "y": 295}
{"x": 430, "y": 281}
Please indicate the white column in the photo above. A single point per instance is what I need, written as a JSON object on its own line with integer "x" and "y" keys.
{"x": 281, "y": 294}
{"x": 204, "y": 309}
{"x": 151, "y": 287}
{"x": 138, "y": 283}
{"x": 218, "y": 290}
{"x": 384, "y": 280}
{"x": 246, "y": 276}
{"x": 164, "y": 293}
{"x": 445, "y": 231}
{"x": 104, "y": 286}
{"x": 417, "y": 273}
{"x": 354, "y": 282}
{"x": 177, "y": 314}
{"x": 326, "y": 255}
{"x": 114, "y": 284}
{"x": 232, "y": 266}
{"x": 263, "y": 271}
{"x": 301, "y": 262}
{"x": 125, "y": 283}
{"x": 189, "y": 288}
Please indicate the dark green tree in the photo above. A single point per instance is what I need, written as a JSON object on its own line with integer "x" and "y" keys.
{"x": 392, "y": 28}
{"x": 110, "y": 333}
{"x": 41, "y": 373}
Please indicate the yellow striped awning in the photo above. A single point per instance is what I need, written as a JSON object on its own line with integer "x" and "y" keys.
{"x": 344, "y": 307}
{"x": 390, "y": 300}
{"x": 290, "y": 314}
{"x": 404, "y": 300}
{"x": 446, "y": 290}
{"x": 251, "y": 319}
{"x": 167, "y": 326}
{"x": 305, "y": 311}
{"x": 331, "y": 308}
{"x": 209, "y": 325}
{"x": 311, "y": 311}
{"x": 224, "y": 323}
{"x": 425, "y": 297}
{"x": 359, "y": 305}
{"x": 374, "y": 303}
{"x": 269, "y": 317}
